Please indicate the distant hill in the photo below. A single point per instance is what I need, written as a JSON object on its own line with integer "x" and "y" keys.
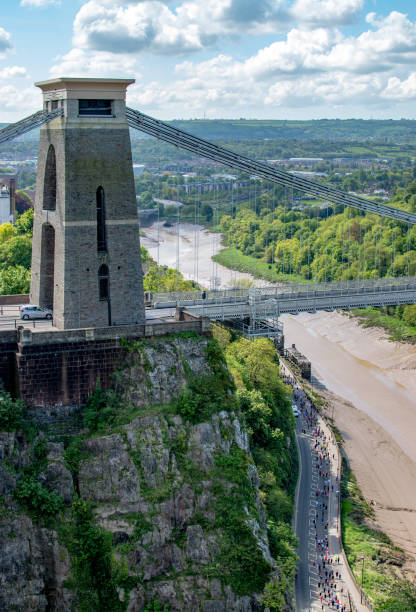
{"x": 357, "y": 130}
{"x": 400, "y": 131}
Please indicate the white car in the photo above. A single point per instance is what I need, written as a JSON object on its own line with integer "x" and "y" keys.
{"x": 29, "y": 311}
{"x": 295, "y": 410}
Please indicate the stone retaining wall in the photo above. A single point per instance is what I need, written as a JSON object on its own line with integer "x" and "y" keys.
{"x": 51, "y": 369}
{"x": 13, "y": 300}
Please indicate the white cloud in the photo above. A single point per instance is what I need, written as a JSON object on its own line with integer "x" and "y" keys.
{"x": 5, "y": 43}
{"x": 17, "y": 102}
{"x": 39, "y": 3}
{"x": 10, "y": 72}
{"x": 314, "y": 64}
{"x": 391, "y": 45}
{"x": 310, "y": 67}
{"x": 153, "y": 26}
{"x": 401, "y": 90}
{"x": 81, "y": 62}
{"x": 326, "y": 12}
{"x": 149, "y": 26}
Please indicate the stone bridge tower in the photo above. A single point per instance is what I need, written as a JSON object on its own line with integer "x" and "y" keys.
{"x": 86, "y": 253}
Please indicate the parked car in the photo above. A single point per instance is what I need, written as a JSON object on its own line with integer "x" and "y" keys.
{"x": 295, "y": 410}
{"x": 29, "y": 311}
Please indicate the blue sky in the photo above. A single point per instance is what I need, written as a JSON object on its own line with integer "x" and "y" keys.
{"x": 289, "y": 59}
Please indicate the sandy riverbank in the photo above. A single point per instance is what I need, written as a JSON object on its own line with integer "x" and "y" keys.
{"x": 373, "y": 395}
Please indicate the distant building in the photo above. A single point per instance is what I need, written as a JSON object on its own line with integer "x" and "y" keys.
{"x": 7, "y": 203}
{"x": 138, "y": 169}
{"x": 306, "y": 161}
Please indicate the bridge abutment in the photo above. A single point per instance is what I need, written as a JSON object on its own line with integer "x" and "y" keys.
{"x": 58, "y": 370}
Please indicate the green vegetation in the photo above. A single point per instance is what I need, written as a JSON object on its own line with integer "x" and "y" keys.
{"x": 155, "y": 606}
{"x": 231, "y": 257}
{"x": 205, "y": 393}
{"x": 398, "y": 321}
{"x": 36, "y": 499}
{"x": 161, "y": 279}
{"x": 263, "y": 400}
{"x": 12, "y": 412}
{"x": 319, "y": 244}
{"x": 94, "y": 575}
{"x": 15, "y": 254}
{"x": 241, "y": 560}
{"x": 99, "y": 566}
{"x": 383, "y": 583}
{"x": 101, "y": 410}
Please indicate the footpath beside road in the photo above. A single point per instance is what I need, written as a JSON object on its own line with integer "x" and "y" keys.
{"x": 324, "y": 580}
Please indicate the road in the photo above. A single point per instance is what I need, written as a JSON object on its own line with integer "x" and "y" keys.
{"x": 10, "y": 318}
{"x": 323, "y": 579}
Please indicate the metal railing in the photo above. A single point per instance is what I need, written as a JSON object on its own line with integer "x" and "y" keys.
{"x": 14, "y": 323}
{"x": 274, "y": 307}
{"x": 276, "y": 291}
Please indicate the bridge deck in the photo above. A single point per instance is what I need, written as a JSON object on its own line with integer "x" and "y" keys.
{"x": 273, "y": 301}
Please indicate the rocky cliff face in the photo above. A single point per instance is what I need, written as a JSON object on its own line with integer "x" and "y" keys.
{"x": 176, "y": 495}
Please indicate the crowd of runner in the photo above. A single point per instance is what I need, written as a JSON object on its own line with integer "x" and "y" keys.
{"x": 329, "y": 588}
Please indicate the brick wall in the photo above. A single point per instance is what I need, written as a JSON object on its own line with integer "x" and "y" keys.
{"x": 60, "y": 368}
{"x": 64, "y": 374}
{"x": 8, "y": 349}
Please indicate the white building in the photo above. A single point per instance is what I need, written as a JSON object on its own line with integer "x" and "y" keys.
{"x": 6, "y": 214}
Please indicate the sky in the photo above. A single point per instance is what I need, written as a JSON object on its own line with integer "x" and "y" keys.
{"x": 264, "y": 59}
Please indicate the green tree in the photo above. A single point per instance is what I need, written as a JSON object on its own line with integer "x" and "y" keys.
{"x": 16, "y": 251}
{"x": 14, "y": 280}
{"x": 24, "y": 222}
{"x": 6, "y": 232}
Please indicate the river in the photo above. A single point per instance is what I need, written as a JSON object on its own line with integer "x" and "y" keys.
{"x": 373, "y": 380}
{"x": 195, "y": 264}
{"x": 343, "y": 357}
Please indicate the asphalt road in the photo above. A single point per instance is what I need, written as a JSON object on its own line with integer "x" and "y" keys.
{"x": 10, "y": 318}
{"x": 303, "y": 510}
{"x": 318, "y": 584}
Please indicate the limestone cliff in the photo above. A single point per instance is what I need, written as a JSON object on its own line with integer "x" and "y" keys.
{"x": 172, "y": 489}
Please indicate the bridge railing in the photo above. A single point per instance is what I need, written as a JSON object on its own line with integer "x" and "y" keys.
{"x": 274, "y": 307}
{"x": 238, "y": 295}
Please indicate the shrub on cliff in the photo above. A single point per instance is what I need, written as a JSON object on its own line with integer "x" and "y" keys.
{"x": 101, "y": 409}
{"x": 36, "y": 499}
{"x": 11, "y": 412}
{"x": 91, "y": 557}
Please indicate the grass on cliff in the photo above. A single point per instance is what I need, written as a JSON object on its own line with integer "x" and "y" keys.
{"x": 383, "y": 581}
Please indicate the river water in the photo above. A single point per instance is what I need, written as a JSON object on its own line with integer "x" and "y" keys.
{"x": 194, "y": 263}
{"x": 372, "y": 376}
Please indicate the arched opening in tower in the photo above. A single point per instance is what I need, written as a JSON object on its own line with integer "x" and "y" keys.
{"x": 104, "y": 288}
{"x": 49, "y": 189}
{"x": 101, "y": 233}
{"x": 47, "y": 269}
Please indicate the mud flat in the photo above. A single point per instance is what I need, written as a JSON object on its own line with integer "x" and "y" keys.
{"x": 196, "y": 247}
{"x": 371, "y": 387}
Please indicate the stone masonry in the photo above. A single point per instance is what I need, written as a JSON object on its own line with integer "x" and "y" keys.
{"x": 56, "y": 370}
{"x": 78, "y": 156}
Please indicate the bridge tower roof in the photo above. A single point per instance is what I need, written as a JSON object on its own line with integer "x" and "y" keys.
{"x": 71, "y": 88}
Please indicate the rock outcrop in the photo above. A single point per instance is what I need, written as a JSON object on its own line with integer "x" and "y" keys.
{"x": 172, "y": 493}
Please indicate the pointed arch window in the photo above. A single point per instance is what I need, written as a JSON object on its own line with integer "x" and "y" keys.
{"x": 101, "y": 233}
{"x": 49, "y": 185}
{"x": 103, "y": 283}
